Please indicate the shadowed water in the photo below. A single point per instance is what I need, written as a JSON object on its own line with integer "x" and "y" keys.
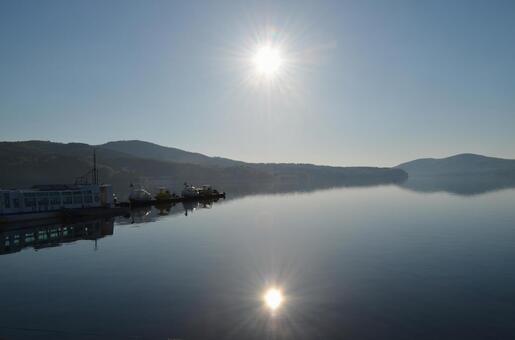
{"x": 355, "y": 263}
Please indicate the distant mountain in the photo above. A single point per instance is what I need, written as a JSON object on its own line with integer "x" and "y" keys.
{"x": 462, "y": 164}
{"x": 284, "y": 171}
{"x": 148, "y": 150}
{"x": 41, "y": 162}
{"x": 122, "y": 163}
{"x": 463, "y": 174}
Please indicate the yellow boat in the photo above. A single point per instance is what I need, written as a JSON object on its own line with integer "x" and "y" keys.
{"x": 163, "y": 195}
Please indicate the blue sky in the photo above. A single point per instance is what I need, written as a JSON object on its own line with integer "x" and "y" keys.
{"x": 363, "y": 82}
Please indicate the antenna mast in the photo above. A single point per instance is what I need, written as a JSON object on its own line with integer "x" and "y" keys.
{"x": 95, "y": 171}
{"x": 83, "y": 180}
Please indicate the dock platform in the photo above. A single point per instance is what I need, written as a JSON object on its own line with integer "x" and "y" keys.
{"x": 171, "y": 200}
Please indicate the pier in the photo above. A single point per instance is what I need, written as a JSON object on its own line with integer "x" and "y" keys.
{"x": 173, "y": 200}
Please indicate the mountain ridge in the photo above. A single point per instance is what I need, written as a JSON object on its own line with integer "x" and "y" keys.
{"x": 459, "y": 164}
{"x": 144, "y": 149}
{"x": 26, "y": 163}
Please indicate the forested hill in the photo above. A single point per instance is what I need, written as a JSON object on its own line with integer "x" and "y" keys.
{"x": 122, "y": 163}
{"x": 462, "y": 164}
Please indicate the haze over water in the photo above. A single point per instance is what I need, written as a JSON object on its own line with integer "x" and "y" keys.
{"x": 356, "y": 263}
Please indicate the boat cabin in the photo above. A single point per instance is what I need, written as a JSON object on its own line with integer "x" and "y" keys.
{"x": 55, "y": 197}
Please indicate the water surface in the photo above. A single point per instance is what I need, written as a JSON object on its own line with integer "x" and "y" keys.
{"x": 356, "y": 263}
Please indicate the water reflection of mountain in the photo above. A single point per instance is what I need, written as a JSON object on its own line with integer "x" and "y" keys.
{"x": 14, "y": 239}
{"x": 456, "y": 184}
{"x": 466, "y": 185}
{"x": 236, "y": 189}
{"x": 285, "y": 186}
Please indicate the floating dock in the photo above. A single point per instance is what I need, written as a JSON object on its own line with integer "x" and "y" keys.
{"x": 172, "y": 200}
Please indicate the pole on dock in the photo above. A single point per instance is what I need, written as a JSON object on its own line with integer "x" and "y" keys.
{"x": 95, "y": 171}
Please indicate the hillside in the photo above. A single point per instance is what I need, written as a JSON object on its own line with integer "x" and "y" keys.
{"x": 283, "y": 171}
{"x": 142, "y": 149}
{"x": 38, "y": 162}
{"x": 462, "y": 164}
{"x": 42, "y": 162}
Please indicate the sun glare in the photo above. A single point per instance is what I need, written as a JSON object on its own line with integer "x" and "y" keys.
{"x": 273, "y": 298}
{"x": 267, "y": 61}
{"x": 269, "y": 64}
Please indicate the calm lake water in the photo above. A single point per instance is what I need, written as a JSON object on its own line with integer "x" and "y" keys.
{"x": 353, "y": 263}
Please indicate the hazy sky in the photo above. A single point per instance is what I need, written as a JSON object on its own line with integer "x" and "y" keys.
{"x": 361, "y": 83}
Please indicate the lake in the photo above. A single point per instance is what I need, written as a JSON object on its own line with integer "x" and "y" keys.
{"x": 378, "y": 262}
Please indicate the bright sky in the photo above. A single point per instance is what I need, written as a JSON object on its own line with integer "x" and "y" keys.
{"x": 357, "y": 82}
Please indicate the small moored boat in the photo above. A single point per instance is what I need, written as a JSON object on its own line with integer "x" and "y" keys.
{"x": 164, "y": 195}
{"x": 190, "y": 191}
{"x": 139, "y": 196}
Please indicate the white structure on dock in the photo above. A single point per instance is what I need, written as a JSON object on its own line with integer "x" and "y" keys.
{"x": 46, "y": 198}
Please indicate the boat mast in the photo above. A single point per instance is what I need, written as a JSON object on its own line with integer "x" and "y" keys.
{"x": 95, "y": 171}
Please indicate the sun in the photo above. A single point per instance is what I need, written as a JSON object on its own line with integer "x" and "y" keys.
{"x": 267, "y": 61}
{"x": 273, "y": 298}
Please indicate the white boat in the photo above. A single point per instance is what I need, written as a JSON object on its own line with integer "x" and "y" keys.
{"x": 208, "y": 191}
{"x": 189, "y": 191}
{"x": 139, "y": 195}
{"x": 51, "y": 201}
{"x": 46, "y": 201}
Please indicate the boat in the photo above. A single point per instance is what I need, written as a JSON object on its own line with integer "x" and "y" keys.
{"x": 50, "y": 201}
{"x": 139, "y": 196}
{"x": 164, "y": 195}
{"x": 204, "y": 192}
{"x": 207, "y": 191}
{"x": 39, "y": 202}
{"x": 190, "y": 192}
